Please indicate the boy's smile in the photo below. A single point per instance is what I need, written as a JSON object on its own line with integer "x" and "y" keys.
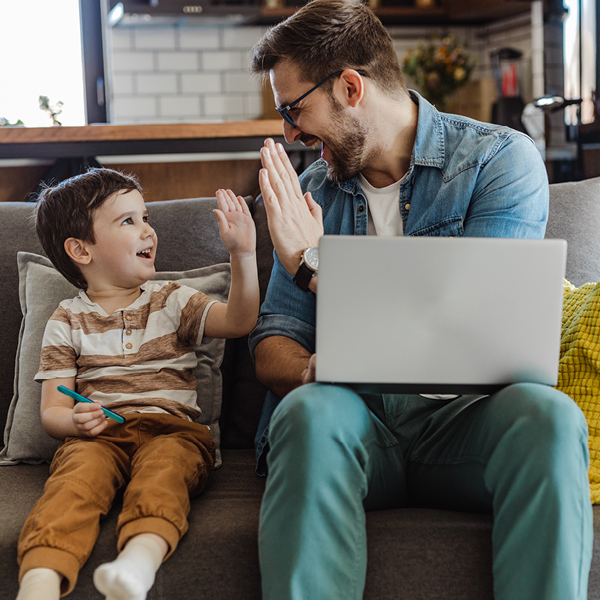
{"x": 122, "y": 257}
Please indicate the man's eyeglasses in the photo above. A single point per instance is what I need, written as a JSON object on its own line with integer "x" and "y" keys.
{"x": 284, "y": 111}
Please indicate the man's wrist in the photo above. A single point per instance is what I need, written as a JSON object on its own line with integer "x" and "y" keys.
{"x": 309, "y": 265}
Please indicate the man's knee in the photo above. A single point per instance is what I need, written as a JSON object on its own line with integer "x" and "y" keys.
{"x": 546, "y": 417}
{"x": 316, "y": 401}
{"x": 316, "y": 411}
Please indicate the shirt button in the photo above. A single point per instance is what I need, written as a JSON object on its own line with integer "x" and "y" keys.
{"x": 128, "y": 317}
{"x": 128, "y": 332}
{"x": 407, "y": 206}
{"x": 361, "y": 209}
{"x": 129, "y": 346}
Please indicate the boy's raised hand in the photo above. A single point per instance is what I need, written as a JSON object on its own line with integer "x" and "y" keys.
{"x": 235, "y": 223}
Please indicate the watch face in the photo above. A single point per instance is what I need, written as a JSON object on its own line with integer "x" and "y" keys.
{"x": 311, "y": 258}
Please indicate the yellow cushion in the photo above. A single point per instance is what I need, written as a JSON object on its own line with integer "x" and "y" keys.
{"x": 579, "y": 366}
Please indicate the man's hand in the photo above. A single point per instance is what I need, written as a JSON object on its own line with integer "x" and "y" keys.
{"x": 236, "y": 226}
{"x": 310, "y": 374}
{"x": 89, "y": 419}
{"x": 295, "y": 219}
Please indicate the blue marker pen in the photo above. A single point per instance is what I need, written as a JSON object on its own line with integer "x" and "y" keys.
{"x": 109, "y": 413}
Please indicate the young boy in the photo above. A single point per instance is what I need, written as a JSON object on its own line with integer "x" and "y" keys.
{"x": 124, "y": 342}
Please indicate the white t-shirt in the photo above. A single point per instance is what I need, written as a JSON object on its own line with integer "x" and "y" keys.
{"x": 383, "y": 205}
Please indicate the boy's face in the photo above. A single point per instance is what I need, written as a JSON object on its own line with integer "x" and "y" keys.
{"x": 125, "y": 249}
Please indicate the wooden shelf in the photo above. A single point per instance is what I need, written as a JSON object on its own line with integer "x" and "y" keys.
{"x": 477, "y": 11}
{"x": 230, "y": 129}
{"x": 446, "y": 11}
{"x": 277, "y": 14}
{"x": 93, "y": 140}
{"x": 391, "y": 15}
{"x": 387, "y": 14}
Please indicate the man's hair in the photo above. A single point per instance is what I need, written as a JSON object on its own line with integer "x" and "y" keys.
{"x": 67, "y": 210}
{"x": 326, "y": 36}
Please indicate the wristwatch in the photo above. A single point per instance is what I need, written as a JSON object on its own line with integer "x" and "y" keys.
{"x": 309, "y": 265}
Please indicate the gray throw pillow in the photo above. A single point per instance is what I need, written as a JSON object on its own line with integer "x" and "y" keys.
{"x": 41, "y": 289}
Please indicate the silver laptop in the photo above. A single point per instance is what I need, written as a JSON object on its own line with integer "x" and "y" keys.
{"x": 438, "y": 315}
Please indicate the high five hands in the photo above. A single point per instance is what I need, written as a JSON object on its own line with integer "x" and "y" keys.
{"x": 295, "y": 219}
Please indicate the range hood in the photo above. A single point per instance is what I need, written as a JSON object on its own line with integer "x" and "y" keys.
{"x": 182, "y": 12}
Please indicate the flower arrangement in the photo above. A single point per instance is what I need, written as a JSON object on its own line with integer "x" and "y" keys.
{"x": 439, "y": 67}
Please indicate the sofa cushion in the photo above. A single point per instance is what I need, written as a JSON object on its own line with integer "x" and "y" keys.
{"x": 18, "y": 234}
{"x": 41, "y": 288}
{"x": 189, "y": 239}
{"x": 216, "y": 559}
{"x": 243, "y": 400}
{"x": 425, "y": 553}
{"x": 575, "y": 216}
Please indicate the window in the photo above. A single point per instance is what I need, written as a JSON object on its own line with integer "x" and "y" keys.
{"x": 580, "y": 47}
{"x": 40, "y": 53}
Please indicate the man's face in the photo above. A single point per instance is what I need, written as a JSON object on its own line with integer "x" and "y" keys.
{"x": 320, "y": 118}
{"x": 346, "y": 144}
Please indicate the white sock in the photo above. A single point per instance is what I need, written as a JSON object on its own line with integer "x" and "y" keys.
{"x": 131, "y": 575}
{"x": 40, "y": 584}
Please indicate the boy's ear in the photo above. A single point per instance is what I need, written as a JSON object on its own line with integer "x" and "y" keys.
{"x": 77, "y": 251}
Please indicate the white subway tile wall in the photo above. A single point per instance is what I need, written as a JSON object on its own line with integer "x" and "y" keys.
{"x": 174, "y": 73}
{"x": 201, "y": 73}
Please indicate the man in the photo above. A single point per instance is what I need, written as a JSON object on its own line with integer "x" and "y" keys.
{"x": 394, "y": 165}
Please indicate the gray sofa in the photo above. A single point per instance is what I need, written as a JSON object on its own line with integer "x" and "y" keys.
{"x": 414, "y": 554}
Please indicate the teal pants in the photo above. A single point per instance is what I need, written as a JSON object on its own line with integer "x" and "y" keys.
{"x": 520, "y": 454}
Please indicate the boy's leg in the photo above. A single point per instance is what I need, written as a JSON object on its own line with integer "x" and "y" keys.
{"x": 523, "y": 454}
{"x": 173, "y": 462}
{"x": 61, "y": 529}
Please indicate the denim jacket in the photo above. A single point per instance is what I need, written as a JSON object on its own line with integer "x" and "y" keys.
{"x": 466, "y": 178}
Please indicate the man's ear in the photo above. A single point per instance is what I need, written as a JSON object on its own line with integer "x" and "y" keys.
{"x": 77, "y": 251}
{"x": 352, "y": 86}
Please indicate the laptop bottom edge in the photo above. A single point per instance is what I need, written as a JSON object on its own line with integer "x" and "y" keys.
{"x": 419, "y": 388}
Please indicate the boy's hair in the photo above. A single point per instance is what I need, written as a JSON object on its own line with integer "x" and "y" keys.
{"x": 67, "y": 210}
{"x": 326, "y": 36}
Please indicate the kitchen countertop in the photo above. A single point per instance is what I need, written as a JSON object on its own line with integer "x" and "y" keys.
{"x": 92, "y": 140}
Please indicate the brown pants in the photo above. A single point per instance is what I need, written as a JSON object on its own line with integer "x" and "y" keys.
{"x": 165, "y": 458}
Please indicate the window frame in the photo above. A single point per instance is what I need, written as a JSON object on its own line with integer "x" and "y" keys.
{"x": 92, "y": 47}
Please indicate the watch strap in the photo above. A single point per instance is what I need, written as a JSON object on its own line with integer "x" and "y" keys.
{"x": 303, "y": 276}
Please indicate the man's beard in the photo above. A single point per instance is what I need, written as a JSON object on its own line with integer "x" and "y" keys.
{"x": 346, "y": 146}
